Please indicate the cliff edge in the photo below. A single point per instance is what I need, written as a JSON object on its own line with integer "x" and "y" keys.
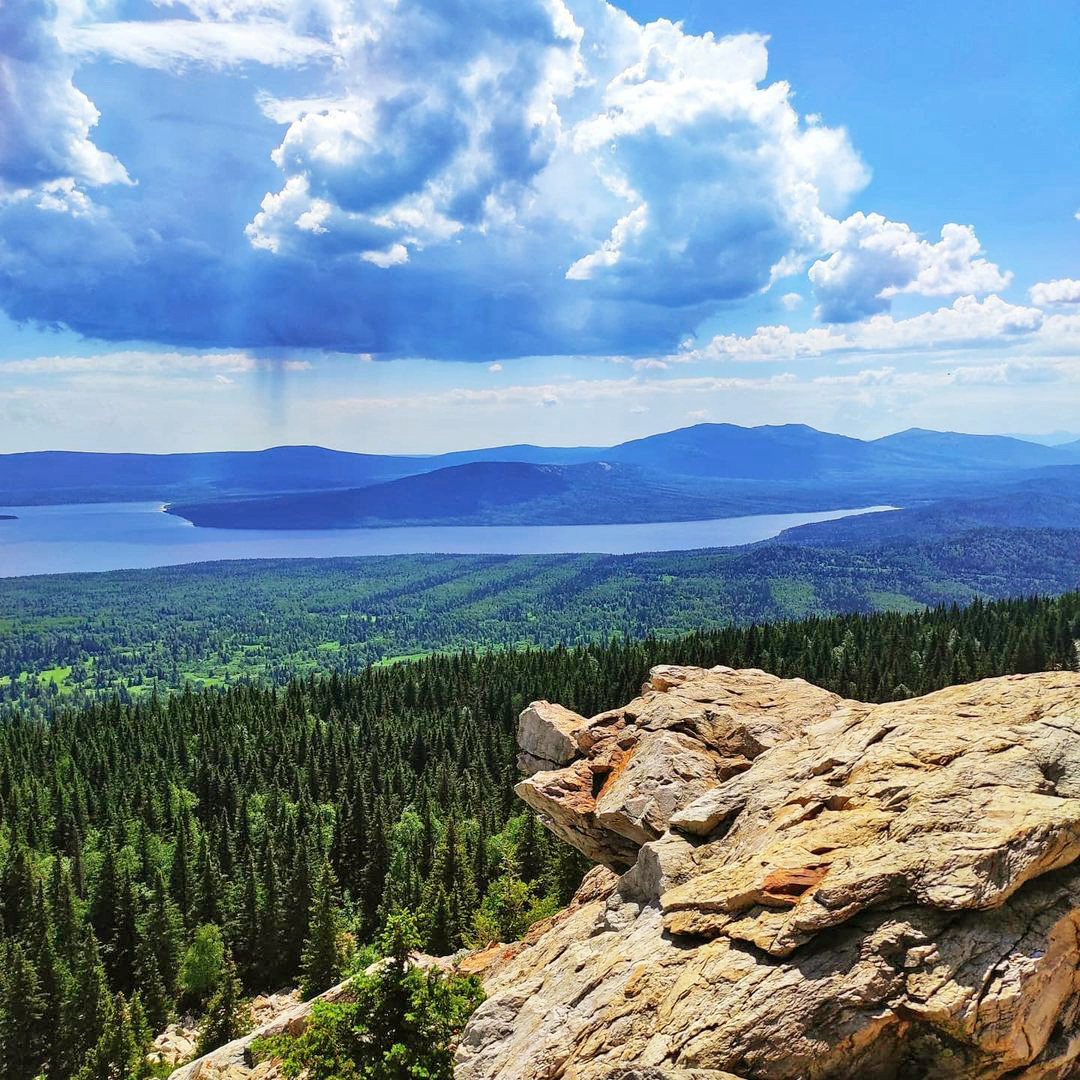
{"x": 808, "y": 887}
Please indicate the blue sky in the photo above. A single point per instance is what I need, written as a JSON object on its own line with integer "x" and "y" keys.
{"x": 426, "y": 224}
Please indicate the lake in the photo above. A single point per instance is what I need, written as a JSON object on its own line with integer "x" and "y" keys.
{"x": 123, "y": 536}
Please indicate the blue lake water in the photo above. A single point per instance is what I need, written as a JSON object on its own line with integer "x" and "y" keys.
{"x": 119, "y": 536}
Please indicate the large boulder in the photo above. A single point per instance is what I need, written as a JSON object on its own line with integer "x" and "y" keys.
{"x": 813, "y": 888}
{"x": 611, "y": 784}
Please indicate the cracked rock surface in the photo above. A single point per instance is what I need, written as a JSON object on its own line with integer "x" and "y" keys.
{"x": 810, "y": 887}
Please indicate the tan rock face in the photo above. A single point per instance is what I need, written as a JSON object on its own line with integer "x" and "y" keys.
{"x": 625, "y": 772}
{"x": 817, "y": 889}
{"x": 278, "y": 1014}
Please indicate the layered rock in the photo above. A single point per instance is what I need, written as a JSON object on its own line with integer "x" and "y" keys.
{"x": 610, "y": 784}
{"x": 816, "y": 888}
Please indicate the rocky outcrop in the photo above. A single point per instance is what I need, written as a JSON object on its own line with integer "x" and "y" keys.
{"x": 610, "y": 784}
{"x": 276, "y": 1014}
{"x": 811, "y": 887}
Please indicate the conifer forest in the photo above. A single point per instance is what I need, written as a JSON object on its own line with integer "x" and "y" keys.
{"x": 181, "y": 852}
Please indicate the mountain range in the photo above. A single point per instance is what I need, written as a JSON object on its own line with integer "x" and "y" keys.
{"x": 708, "y": 470}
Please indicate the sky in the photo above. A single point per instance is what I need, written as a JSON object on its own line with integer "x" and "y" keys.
{"x": 421, "y": 225}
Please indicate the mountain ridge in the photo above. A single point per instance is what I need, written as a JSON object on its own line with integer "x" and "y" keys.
{"x": 768, "y": 452}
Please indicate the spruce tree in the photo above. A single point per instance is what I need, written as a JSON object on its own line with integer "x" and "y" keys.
{"x": 161, "y": 934}
{"x": 115, "y": 1055}
{"x": 225, "y": 1014}
{"x": 86, "y": 1011}
{"x": 21, "y": 1012}
{"x": 322, "y": 960}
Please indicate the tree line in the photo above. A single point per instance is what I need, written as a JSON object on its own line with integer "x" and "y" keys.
{"x": 76, "y": 638}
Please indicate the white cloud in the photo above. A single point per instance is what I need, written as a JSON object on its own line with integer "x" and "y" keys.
{"x": 173, "y": 44}
{"x": 1003, "y": 373}
{"x": 653, "y": 163}
{"x": 570, "y": 391}
{"x": 46, "y": 121}
{"x": 142, "y": 363}
{"x": 460, "y": 180}
{"x": 440, "y": 121}
{"x": 967, "y": 322}
{"x": 1060, "y": 291}
{"x": 722, "y": 183}
{"x": 874, "y": 259}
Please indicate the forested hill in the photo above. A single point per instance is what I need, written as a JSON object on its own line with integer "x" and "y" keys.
{"x": 146, "y": 850}
{"x": 77, "y": 637}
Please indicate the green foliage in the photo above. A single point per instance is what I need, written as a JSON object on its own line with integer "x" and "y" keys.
{"x": 226, "y": 1019}
{"x": 510, "y": 905}
{"x": 115, "y": 1055}
{"x": 323, "y": 959}
{"x": 398, "y": 1025}
{"x": 204, "y": 964}
{"x": 22, "y": 1007}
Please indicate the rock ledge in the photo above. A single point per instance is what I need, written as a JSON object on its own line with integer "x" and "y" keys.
{"x": 810, "y": 887}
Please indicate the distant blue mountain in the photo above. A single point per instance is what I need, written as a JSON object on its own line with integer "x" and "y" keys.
{"x": 459, "y": 492}
{"x": 503, "y": 493}
{"x": 706, "y": 470}
{"x": 952, "y": 449}
{"x": 65, "y": 476}
{"x": 1049, "y": 438}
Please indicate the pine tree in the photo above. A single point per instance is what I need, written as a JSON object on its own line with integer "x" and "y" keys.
{"x": 225, "y": 1015}
{"x": 85, "y": 1012}
{"x": 323, "y": 959}
{"x": 207, "y": 904}
{"x": 123, "y": 948}
{"x": 105, "y": 902}
{"x": 530, "y": 849}
{"x": 246, "y": 930}
{"x": 161, "y": 934}
{"x": 269, "y": 951}
{"x": 21, "y": 1012}
{"x": 115, "y": 1054}
{"x": 450, "y": 901}
{"x": 156, "y": 1000}
{"x": 298, "y": 907}
{"x": 65, "y": 917}
{"x": 180, "y": 883}
{"x": 142, "y": 1033}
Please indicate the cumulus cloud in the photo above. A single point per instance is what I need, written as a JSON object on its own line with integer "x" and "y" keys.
{"x": 968, "y": 321}
{"x": 874, "y": 259}
{"x": 445, "y": 113}
{"x": 752, "y": 180}
{"x": 1052, "y": 293}
{"x": 454, "y": 179}
{"x": 45, "y": 121}
{"x": 447, "y": 179}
